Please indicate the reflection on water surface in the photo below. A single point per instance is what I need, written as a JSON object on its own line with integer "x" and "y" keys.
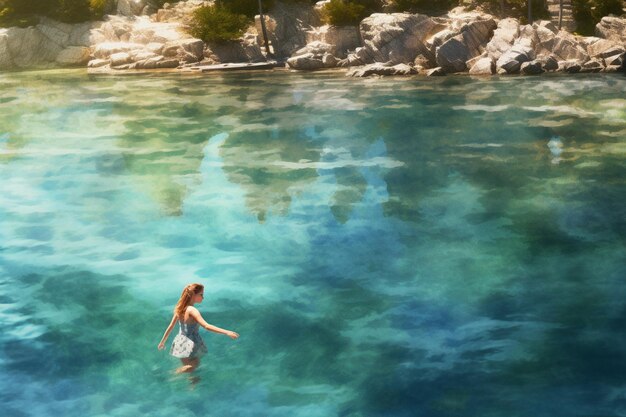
{"x": 388, "y": 247}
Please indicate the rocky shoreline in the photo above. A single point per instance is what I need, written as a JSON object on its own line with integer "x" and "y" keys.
{"x": 383, "y": 44}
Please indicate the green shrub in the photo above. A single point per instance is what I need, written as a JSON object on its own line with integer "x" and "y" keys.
{"x": 25, "y": 12}
{"x": 217, "y": 24}
{"x": 429, "y": 7}
{"x": 98, "y": 8}
{"x": 20, "y": 13}
{"x": 249, "y": 8}
{"x": 518, "y": 8}
{"x": 349, "y": 12}
{"x": 72, "y": 11}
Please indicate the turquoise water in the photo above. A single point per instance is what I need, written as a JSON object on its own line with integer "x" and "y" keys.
{"x": 385, "y": 247}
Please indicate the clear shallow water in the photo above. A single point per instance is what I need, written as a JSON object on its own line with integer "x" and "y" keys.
{"x": 390, "y": 247}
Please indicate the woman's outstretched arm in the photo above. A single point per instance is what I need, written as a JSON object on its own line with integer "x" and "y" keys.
{"x": 167, "y": 333}
{"x": 193, "y": 312}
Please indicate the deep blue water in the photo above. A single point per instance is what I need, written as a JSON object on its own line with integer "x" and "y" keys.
{"x": 385, "y": 247}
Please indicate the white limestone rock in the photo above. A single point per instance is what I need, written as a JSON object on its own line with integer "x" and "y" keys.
{"x": 566, "y": 48}
{"x": 329, "y": 60}
{"x": 618, "y": 61}
{"x": 512, "y": 60}
{"x": 612, "y": 28}
{"x": 98, "y": 63}
{"x": 30, "y": 48}
{"x": 604, "y": 48}
{"x": 55, "y": 32}
{"x": 105, "y": 50}
{"x": 452, "y": 55}
{"x": 593, "y": 65}
{"x": 394, "y": 37}
{"x": 379, "y": 68}
{"x": 503, "y": 38}
{"x": 73, "y": 56}
{"x": 120, "y": 58}
{"x": 155, "y": 47}
{"x": 5, "y": 56}
{"x": 187, "y": 50}
{"x": 307, "y": 62}
{"x": 80, "y": 35}
{"x": 435, "y": 72}
{"x": 342, "y": 39}
{"x": 483, "y": 66}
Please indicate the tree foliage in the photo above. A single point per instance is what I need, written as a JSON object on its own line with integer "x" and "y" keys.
{"x": 25, "y": 12}
{"x": 588, "y": 13}
{"x": 517, "y": 8}
{"x": 429, "y": 7}
{"x": 349, "y": 12}
{"x": 217, "y": 24}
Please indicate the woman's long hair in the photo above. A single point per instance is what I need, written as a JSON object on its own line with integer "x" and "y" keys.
{"x": 185, "y": 298}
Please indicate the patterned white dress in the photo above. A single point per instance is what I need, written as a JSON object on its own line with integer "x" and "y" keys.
{"x": 188, "y": 343}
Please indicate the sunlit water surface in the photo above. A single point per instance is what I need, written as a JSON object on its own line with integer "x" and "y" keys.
{"x": 385, "y": 247}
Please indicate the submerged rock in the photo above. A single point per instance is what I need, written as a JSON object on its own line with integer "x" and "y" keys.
{"x": 381, "y": 69}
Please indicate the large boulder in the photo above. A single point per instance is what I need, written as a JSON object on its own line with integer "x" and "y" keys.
{"x": 483, "y": 66}
{"x": 395, "y": 38}
{"x": 288, "y": 25}
{"x": 548, "y": 62}
{"x": 571, "y": 67}
{"x": 5, "y": 56}
{"x": 314, "y": 56}
{"x": 512, "y": 60}
{"x": 30, "y": 48}
{"x": 73, "y": 56}
{"x": 612, "y": 28}
{"x": 185, "y": 50}
{"x": 55, "y": 32}
{"x": 453, "y": 54}
{"x": 308, "y": 62}
{"x": 593, "y": 65}
{"x": 567, "y": 48}
{"x": 233, "y": 51}
{"x": 604, "y": 48}
{"x": 531, "y": 68}
{"x": 342, "y": 39}
{"x": 503, "y": 38}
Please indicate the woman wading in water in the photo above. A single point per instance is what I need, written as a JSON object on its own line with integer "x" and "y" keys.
{"x": 188, "y": 345}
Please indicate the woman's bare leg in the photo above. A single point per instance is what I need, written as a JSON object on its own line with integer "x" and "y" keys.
{"x": 189, "y": 365}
